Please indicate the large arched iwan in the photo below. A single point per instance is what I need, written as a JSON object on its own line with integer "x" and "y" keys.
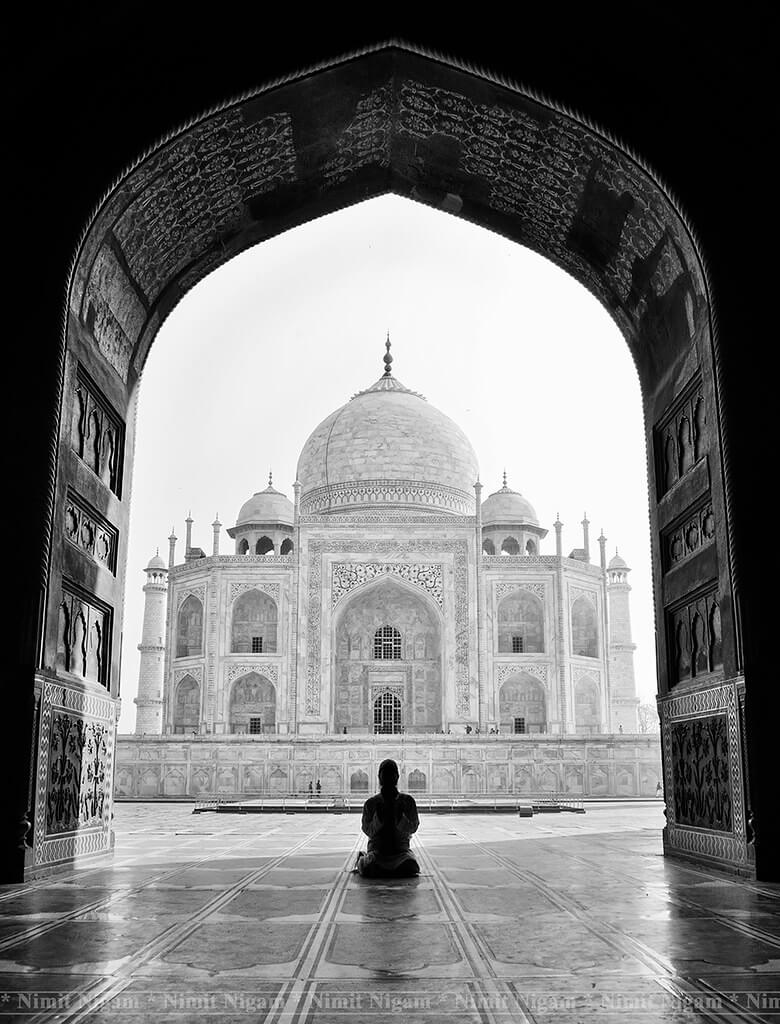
{"x": 394, "y": 119}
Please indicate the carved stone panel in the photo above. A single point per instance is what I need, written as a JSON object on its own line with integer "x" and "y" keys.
{"x": 97, "y": 433}
{"x": 695, "y": 639}
{"x": 688, "y": 536}
{"x": 702, "y": 791}
{"x": 84, "y": 635}
{"x": 73, "y": 798}
{"x": 88, "y": 530}
{"x": 348, "y": 575}
{"x": 680, "y": 438}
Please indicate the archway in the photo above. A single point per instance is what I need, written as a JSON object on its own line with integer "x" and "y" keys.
{"x": 186, "y": 708}
{"x": 254, "y": 624}
{"x": 252, "y": 705}
{"x": 387, "y": 660}
{"x": 539, "y": 176}
{"x": 522, "y": 705}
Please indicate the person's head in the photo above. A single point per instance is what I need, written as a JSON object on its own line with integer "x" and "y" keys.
{"x": 388, "y": 774}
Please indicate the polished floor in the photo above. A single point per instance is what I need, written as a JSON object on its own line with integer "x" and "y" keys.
{"x": 557, "y": 918}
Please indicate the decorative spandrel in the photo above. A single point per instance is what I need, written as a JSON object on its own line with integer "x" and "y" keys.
{"x": 348, "y": 575}
{"x": 701, "y": 777}
{"x": 97, "y": 432}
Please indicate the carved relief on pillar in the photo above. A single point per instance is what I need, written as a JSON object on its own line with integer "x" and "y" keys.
{"x": 695, "y": 638}
{"x": 704, "y": 773}
{"x": 686, "y": 537}
{"x": 680, "y": 438}
{"x": 97, "y": 432}
{"x": 85, "y": 528}
{"x": 73, "y": 798}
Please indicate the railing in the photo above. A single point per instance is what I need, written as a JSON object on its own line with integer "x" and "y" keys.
{"x": 543, "y": 802}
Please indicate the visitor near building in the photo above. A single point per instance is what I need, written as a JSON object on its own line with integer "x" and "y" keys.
{"x": 389, "y": 819}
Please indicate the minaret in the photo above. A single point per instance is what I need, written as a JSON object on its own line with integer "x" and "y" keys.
{"x": 621, "y": 648}
{"x": 586, "y": 536}
{"x": 188, "y": 540}
{"x": 216, "y": 526}
{"x": 149, "y": 702}
{"x": 558, "y": 539}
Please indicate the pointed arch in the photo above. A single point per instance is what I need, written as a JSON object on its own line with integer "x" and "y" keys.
{"x": 522, "y": 705}
{"x": 520, "y": 618}
{"x": 189, "y": 628}
{"x": 186, "y": 705}
{"x": 254, "y": 624}
{"x": 584, "y": 629}
{"x": 587, "y": 706}
{"x": 252, "y": 707}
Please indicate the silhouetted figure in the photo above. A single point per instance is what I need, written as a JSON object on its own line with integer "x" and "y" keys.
{"x": 311, "y": 789}
{"x": 319, "y": 787}
{"x": 658, "y": 790}
{"x": 389, "y": 819}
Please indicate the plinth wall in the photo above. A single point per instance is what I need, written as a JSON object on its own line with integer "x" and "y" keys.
{"x": 159, "y": 768}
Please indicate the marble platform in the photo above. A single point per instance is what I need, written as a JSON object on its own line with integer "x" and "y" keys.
{"x": 556, "y": 918}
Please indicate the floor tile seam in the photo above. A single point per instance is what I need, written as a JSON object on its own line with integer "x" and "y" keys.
{"x": 295, "y": 1006}
{"x": 623, "y": 943}
{"x": 162, "y": 943}
{"x": 37, "y": 931}
{"x": 82, "y": 873}
{"x": 714, "y": 876}
{"x": 733, "y": 1013}
{"x": 685, "y": 901}
{"x": 479, "y": 952}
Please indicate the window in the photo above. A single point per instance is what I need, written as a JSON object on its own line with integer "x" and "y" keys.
{"x": 257, "y": 645}
{"x": 387, "y": 643}
{"x": 519, "y": 725}
{"x": 255, "y": 725}
{"x": 517, "y": 644}
{"x": 387, "y": 713}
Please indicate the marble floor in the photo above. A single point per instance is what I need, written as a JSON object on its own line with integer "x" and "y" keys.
{"x": 557, "y": 918}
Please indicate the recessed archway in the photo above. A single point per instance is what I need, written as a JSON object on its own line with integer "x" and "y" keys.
{"x": 395, "y": 120}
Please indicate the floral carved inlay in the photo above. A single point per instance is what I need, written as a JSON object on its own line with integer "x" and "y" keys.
{"x": 348, "y": 575}
{"x": 236, "y": 589}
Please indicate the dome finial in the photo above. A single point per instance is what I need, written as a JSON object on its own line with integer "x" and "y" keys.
{"x": 387, "y": 357}
{"x": 505, "y": 478}
{"x": 270, "y": 478}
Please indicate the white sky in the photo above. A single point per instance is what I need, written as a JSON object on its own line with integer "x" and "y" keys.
{"x": 521, "y": 356}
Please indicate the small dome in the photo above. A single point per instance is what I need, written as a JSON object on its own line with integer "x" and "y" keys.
{"x": 388, "y": 448}
{"x": 268, "y": 506}
{"x": 616, "y": 562}
{"x": 155, "y": 562}
{"x": 508, "y": 507}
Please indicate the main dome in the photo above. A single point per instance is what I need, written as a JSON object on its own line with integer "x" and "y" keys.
{"x": 388, "y": 448}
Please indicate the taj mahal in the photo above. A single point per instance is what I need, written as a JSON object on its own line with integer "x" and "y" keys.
{"x": 387, "y": 603}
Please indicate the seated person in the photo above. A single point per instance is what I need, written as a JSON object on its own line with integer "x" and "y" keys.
{"x": 389, "y": 818}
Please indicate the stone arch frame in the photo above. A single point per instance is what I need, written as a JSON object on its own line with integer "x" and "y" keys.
{"x": 189, "y": 601}
{"x": 510, "y": 545}
{"x": 259, "y": 589}
{"x": 663, "y": 273}
{"x": 528, "y": 678}
{"x": 521, "y": 589}
{"x": 340, "y": 611}
{"x": 589, "y": 680}
{"x": 267, "y": 545}
{"x": 240, "y": 680}
{"x": 191, "y": 681}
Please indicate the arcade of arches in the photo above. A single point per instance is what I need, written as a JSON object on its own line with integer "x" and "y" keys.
{"x": 469, "y": 145}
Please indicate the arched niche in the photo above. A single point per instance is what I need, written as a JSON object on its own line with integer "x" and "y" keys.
{"x": 264, "y": 546}
{"x": 391, "y": 617}
{"x": 287, "y": 547}
{"x": 587, "y": 706}
{"x": 243, "y": 547}
{"x": 252, "y": 707}
{"x": 189, "y": 627}
{"x": 254, "y": 624}
{"x": 522, "y": 705}
{"x": 186, "y": 706}
{"x": 510, "y": 546}
{"x": 584, "y": 629}
{"x": 488, "y": 547}
{"x": 520, "y": 617}
{"x": 447, "y": 135}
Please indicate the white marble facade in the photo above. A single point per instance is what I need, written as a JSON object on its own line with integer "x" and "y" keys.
{"x": 389, "y": 597}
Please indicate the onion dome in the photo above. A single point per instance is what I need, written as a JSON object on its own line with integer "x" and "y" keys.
{"x": 155, "y": 562}
{"x": 266, "y": 507}
{"x": 508, "y": 507}
{"x": 616, "y": 562}
{"x": 388, "y": 448}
